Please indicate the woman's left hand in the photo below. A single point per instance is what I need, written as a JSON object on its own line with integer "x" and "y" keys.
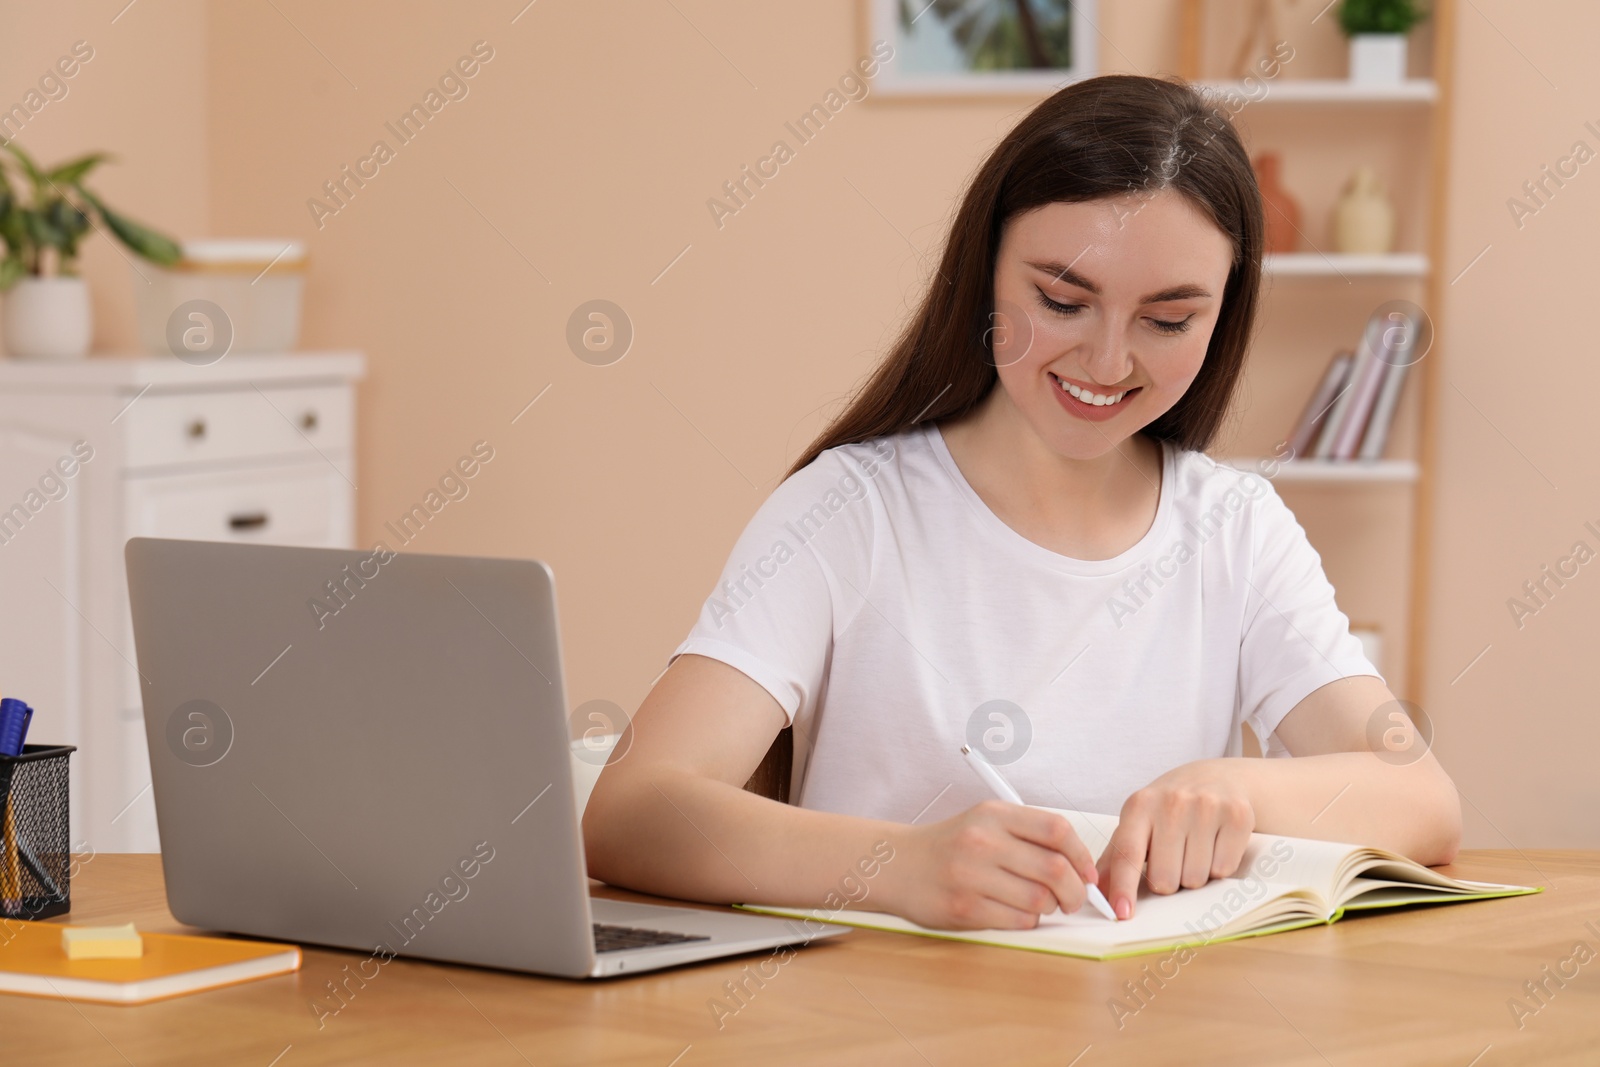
{"x": 1188, "y": 826}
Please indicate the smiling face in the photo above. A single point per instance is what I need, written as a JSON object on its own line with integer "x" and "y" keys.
{"x": 1104, "y": 310}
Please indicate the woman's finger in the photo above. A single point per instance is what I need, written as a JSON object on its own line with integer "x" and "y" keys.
{"x": 1165, "y": 861}
{"x": 1010, "y": 892}
{"x": 1052, "y": 831}
{"x": 1200, "y": 843}
{"x": 1232, "y": 840}
{"x": 1047, "y": 867}
{"x": 1124, "y": 859}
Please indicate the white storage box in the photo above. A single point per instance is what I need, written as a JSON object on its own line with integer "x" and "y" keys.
{"x": 248, "y": 293}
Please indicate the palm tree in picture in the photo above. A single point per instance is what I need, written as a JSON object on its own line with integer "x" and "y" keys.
{"x": 1000, "y": 34}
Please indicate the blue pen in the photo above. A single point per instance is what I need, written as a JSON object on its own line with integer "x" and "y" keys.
{"x": 15, "y": 715}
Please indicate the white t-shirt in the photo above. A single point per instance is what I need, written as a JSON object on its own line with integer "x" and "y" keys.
{"x": 895, "y": 617}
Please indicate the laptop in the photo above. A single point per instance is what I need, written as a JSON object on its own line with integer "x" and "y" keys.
{"x": 370, "y": 750}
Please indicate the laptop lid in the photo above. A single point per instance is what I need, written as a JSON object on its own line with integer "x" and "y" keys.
{"x": 362, "y": 749}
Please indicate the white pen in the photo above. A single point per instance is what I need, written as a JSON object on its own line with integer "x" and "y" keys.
{"x": 1002, "y": 789}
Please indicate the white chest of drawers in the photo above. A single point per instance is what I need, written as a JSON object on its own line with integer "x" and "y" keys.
{"x": 252, "y": 448}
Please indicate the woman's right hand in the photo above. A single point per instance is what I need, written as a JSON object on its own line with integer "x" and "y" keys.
{"x": 994, "y": 866}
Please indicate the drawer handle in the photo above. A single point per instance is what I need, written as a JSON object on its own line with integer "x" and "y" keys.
{"x": 308, "y": 421}
{"x": 248, "y": 520}
{"x": 197, "y": 429}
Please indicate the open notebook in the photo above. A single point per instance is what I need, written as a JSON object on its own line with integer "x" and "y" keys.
{"x": 1284, "y": 883}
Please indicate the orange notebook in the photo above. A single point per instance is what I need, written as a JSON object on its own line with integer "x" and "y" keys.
{"x": 33, "y": 962}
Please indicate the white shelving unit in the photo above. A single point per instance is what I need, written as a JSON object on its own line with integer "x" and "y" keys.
{"x": 1336, "y": 113}
{"x": 1400, "y": 471}
{"x": 1335, "y": 264}
{"x": 1328, "y": 91}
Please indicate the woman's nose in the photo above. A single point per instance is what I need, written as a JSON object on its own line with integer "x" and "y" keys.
{"x": 1109, "y": 359}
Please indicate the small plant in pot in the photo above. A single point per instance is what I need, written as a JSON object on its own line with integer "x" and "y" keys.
{"x": 46, "y": 313}
{"x": 1377, "y": 30}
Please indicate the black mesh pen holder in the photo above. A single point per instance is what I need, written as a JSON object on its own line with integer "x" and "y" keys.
{"x": 35, "y": 838}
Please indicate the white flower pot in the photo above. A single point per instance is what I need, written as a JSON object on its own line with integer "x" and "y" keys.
{"x": 1378, "y": 58}
{"x": 47, "y": 318}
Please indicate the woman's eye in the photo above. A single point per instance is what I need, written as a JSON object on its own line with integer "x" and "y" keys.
{"x": 1059, "y": 308}
{"x": 1161, "y": 325}
{"x": 1171, "y": 327}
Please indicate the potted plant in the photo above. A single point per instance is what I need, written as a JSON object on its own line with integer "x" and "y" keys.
{"x": 46, "y": 312}
{"x": 1377, "y": 30}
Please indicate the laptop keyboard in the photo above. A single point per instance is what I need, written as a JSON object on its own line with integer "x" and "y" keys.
{"x": 611, "y": 938}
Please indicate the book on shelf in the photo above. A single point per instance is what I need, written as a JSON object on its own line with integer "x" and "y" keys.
{"x": 1283, "y": 883}
{"x": 1353, "y": 407}
{"x": 1315, "y": 414}
{"x": 1322, "y": 448}
{"x": 1366, "y": 377}
{"x": 1383, "y": 411}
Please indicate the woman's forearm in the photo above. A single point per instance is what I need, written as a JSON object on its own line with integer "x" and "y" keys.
{"x": 1358, "y": 798}
{"x": 679, "y": 834}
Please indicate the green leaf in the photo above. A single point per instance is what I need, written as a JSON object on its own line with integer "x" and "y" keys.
{"x": 154, "y": 246}
{"x": 73, "y": 172}
{"x": 1379, "y": 16}
{"x": 41, "y": 231}
{"x": 12, "y": 270}
{"x": 67, "y": 218}
{"x": 14, "y": 229}
{"x": 34, "y": 173}
{"x": 71, "y": 222}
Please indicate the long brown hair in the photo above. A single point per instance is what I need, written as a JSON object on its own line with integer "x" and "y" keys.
{"x": 1102, "y": 137}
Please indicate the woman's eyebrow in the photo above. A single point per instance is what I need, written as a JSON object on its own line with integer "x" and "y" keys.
{"x": 1064, "y": 273}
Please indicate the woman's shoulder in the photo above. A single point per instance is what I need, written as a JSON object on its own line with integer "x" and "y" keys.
{"x": 1203, "y": 484}
{"x": 837, "y": 483}
{"x": 870, "y": 459}
{"x": 852, "y": 487}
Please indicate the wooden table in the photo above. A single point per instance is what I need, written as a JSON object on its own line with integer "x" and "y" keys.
{"x": 1421, "y": 986}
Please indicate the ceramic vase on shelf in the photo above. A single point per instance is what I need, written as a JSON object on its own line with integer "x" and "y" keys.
{"x": 1283, "y": 212}
{"x": 1378, "y": 58}
{"x": 1363, "y": 219}
{"x": 47, "y": 318}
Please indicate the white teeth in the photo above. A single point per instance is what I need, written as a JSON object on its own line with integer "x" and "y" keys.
{"x": 1096, "y": 399}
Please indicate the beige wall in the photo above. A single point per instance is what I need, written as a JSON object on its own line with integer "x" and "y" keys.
{"x": 1517, "y": 476}
{"x": 588, "y": 147}
{"x": 142, "y": 97}
{"x": 591, "y": 142}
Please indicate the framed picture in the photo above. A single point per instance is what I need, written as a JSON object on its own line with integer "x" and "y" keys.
{"x": 960, "y": 47}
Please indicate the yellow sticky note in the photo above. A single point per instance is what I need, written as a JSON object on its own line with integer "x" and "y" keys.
{"x": 102, "y": 942}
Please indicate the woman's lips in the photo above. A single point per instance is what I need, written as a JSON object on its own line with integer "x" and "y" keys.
{"x": 1090, "y": 412}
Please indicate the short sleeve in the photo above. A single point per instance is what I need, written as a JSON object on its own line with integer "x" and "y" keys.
{"x": 795, "y": 578}
{"x": 1295, "y": 639}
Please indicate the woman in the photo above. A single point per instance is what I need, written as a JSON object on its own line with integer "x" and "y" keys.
{"x": 1012, "y": 540}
